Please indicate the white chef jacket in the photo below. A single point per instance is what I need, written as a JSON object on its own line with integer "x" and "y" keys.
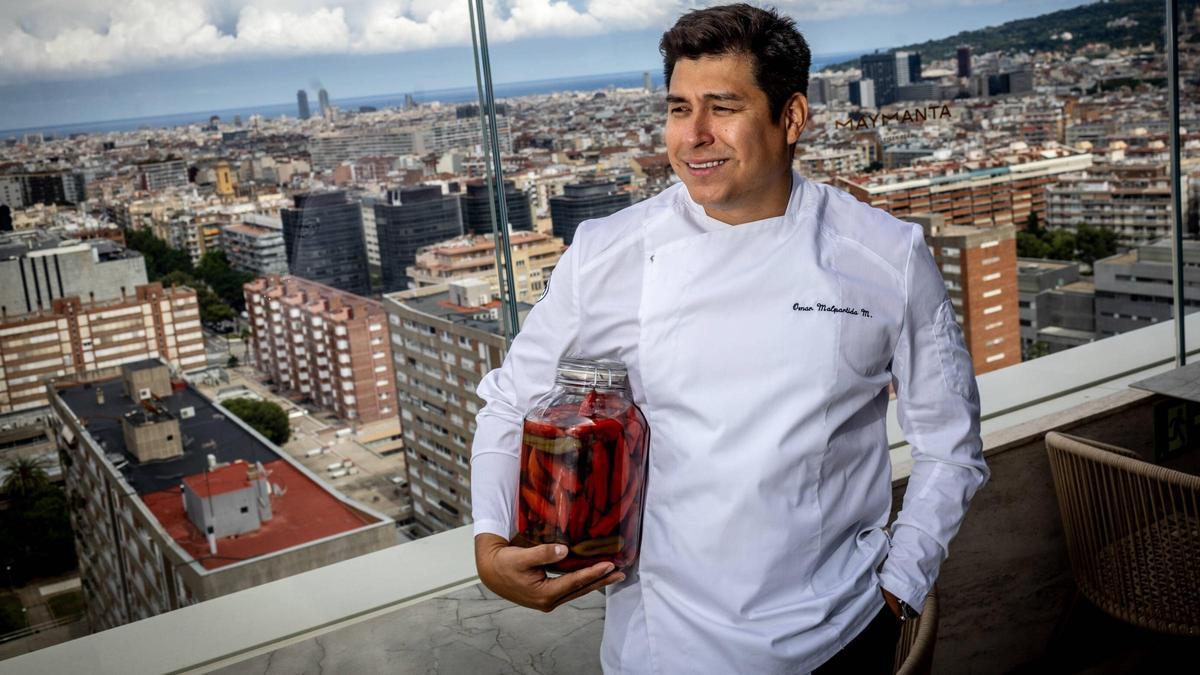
{"x": 761, "y": 355}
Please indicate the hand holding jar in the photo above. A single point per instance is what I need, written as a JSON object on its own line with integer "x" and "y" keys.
{"x": 583, "y": 467}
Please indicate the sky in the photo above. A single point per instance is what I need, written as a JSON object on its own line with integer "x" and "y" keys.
{"x": 68, "y": 61}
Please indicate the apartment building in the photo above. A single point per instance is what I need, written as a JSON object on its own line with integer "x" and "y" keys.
{"x": 73, "y": 338}
{"x": 1132, "y": 199}
{"x": 444, "y": 340}
{"x": 158, "y": 175}
{"x": 323, "y": 344}
{"x": 534, "y": 257}
{"x": 979, "y": 267}
{"x": 195, "y": 234}
{"x": 255, "y": 249}
{"x": 1000, "y": 188}
{"x": 174, "y": 500}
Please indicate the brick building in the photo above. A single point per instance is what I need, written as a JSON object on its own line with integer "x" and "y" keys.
{"x": 534, "y": 256}
{"x": 979, "y": 266}
{"x": 1001, "y": 188}
{"x": 323, "y": 344}
{"x": 73, "y": 338}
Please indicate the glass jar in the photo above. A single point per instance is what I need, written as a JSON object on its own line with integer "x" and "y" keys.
{"x": 583, "y": 468}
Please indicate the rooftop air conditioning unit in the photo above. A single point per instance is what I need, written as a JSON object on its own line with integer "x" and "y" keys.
{"x": 187, "y": 413}
{"x": 143, "y": 394}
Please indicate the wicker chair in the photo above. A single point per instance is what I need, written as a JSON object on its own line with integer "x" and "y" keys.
{"x": 914, "y": 650}
{"x": 1132, "y": 531}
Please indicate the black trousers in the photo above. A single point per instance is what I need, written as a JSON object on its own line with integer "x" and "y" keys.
{"x": 871, "y": 652}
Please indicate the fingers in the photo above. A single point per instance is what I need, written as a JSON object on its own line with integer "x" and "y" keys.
{"x": 606, "y": 580}
{"x": 569, "y": 583}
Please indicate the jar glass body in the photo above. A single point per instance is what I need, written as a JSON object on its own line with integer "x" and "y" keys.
{"x": 584, "y": 454}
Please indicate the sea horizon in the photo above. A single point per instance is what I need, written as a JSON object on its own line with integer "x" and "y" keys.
{"x": 467, "y": 94}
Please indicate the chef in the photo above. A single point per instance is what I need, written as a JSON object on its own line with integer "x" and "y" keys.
{"x": 761, "y": 317}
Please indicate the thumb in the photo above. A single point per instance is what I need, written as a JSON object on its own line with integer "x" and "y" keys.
{"x": 545, "y": 554}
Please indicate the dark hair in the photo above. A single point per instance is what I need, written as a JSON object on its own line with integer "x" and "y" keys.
{"x": 781, "y": 56}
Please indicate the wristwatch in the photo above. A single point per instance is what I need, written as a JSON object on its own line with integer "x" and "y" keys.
{"x": 907, "y": 612}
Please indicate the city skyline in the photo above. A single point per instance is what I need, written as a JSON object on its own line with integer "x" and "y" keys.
{"x": 117, "y": 86}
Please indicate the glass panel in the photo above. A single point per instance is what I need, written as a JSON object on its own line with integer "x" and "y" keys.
{"x": 242, "y": 190}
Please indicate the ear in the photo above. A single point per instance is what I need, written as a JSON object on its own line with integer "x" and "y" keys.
{"x": 795, "y": 116}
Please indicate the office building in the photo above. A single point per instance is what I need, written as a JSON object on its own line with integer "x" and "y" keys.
{"x": 412, "y": 218}
{"x": 73, "y": 338}
{"x": 477, "y": 209}
{"x": 1001, "y": 188}
{"x": 38, "y": 267}
{"x": 882, "y": 70}
{"x": 920, "y": 91}
{"x": 534, "y": 257}
{"x": 322, "y": 344}
{"x": 162, "y": 174}
{"x": 913, "y": 63}
{"x": 585, "y": 201}
{"x": 862, "y": 94}
{"x": 1057, "y": 307}
{"x": 255, "y": 249}
{"x": 979, "y": 266}
{"x": 22, "y": 189}
{"x": 174, "y": 500}
{"x": 963, "y": 58}
{"x": 1013, "y": 82}
{"x": 1131, "y": 199}
{"x": 302, "y": 104}
{"x": 446, "y": 338}
{"x": 323, "y": 101}
{"x": 324, "y": 239}
{"x": 371, "y": 231}
{"x": 1134, "y": 289}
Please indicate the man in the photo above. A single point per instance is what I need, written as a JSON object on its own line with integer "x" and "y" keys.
{"x": 761, "y": 317}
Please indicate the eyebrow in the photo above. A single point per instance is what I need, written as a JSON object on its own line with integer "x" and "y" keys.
{"x": 710, "y": 96}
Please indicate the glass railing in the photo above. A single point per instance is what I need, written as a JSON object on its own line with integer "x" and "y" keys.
{"x": 409, "y": 149}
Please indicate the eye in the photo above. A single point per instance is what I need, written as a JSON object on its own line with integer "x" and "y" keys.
{"x": 677, "y": 110}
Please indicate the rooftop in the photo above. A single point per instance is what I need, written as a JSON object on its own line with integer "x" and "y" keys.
{"x": 304, "y": 513}
{"x": 437, "y": 304}
{"x": 207, "y": 432}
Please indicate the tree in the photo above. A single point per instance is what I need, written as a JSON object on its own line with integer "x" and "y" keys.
{"x": 1036, "y": 350}
{"x": 225, "y": 281}
{"x": 1095, "y": 243}
{"x": 231, "y": 362}
{"x": 24, "y": 477}
{"x": 1032, "y": 226}
{"x": 1030, "y": 245}
{"x": 160, "y": 258}
{"x": 266, "y": 417}
{"x": 1060, "y": 245}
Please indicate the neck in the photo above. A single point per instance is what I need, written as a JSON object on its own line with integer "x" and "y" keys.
{"x": 770, "y": 203}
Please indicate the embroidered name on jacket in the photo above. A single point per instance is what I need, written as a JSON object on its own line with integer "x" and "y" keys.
{"x": 822, "y": 307}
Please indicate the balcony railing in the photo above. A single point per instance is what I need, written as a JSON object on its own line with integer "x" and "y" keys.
{"x": 1008, "y": 561}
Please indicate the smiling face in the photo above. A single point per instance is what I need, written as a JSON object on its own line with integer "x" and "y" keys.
{"x": 734, "y": 158}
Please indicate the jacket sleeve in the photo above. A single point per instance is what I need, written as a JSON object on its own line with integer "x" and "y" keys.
{"x": 508, "y": 392}
{"x": 938, "y": 409}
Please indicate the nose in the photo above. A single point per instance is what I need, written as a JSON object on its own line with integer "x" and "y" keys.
{"x": 699, "y": 129}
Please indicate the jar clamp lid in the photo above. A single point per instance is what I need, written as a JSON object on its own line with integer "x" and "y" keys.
{"x": 592, "y": 373}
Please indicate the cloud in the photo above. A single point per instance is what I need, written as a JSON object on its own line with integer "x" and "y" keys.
{"x": 68, "y": 39}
